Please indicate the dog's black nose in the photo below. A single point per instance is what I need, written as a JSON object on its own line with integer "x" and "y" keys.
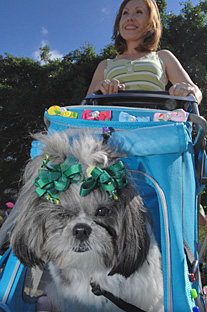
{"x": 82, "y": 231}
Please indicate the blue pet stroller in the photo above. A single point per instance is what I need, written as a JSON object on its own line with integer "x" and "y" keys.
{"x": 164, "y": 140}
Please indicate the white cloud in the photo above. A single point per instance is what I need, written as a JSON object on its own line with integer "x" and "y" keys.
{"x": 54, "y": 55}
{"x": 105, "y": 13}
{"x": 36, "y": 55}
{"x": 44, "y": 43}
{"x": 44, "y": 31}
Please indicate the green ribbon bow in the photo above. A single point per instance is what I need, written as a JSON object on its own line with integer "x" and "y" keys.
{"x": 52, "y": 179}
{"x": 56, "y": 178}
{"x": 109, "y": 179}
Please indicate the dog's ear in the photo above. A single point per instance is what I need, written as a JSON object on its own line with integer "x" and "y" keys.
{"x": 27, "y": 236}
{"x": 134, "y": 240}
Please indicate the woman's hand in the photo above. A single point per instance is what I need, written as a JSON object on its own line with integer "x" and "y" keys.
{"x": 176, "y": 74}
{"x": 109, "y": 86}
{"x": 182, "y": 89}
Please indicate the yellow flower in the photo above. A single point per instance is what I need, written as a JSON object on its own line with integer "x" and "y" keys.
{"x": 89, "y": 170}
{"x": 54, "y": 110}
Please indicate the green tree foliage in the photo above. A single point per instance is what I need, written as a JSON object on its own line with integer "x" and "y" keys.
{"x": 45, "y": 54}
{"x": 162, "y": 5}
{"x": 186, "y": 36}
{"x": 28, "y": 87}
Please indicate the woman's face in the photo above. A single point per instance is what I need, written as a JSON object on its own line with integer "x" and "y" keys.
{"x": 134, "y": 19}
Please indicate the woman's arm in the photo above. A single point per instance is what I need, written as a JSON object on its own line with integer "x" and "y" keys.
{"x": 97, "y": 76}
{"x": 182, "y": 83}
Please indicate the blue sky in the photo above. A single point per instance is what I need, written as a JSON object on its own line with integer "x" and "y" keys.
{"x": 64, "y": 25}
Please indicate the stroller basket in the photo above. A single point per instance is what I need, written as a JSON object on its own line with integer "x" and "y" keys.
{"x": 166, "y": 161}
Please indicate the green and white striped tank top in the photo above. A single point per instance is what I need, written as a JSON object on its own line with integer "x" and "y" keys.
{"x": 145, "y": 73}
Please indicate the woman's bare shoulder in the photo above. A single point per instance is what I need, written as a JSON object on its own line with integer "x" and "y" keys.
{"x": 102, "y": 65}
{"x": 165, "y": 55}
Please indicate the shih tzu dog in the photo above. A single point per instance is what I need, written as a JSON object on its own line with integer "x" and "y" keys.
{"x": 83, "y": 218}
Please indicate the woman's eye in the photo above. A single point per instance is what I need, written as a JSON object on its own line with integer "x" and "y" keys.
{"x": 139, "y": 12}
{"x": 124, "y": 12}
{"x": 102, "y": 212}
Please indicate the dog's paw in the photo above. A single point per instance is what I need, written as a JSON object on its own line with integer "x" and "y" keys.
{"x": 96, "y": 289}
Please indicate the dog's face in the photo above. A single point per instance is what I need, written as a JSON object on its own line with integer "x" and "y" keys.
{"x": 80, "y": 232}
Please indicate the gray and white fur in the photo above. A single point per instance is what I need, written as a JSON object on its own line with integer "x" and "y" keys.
{"x": 92, "y": 238}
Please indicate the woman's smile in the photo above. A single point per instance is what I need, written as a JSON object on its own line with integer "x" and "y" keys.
{"x": 131, "y": 27}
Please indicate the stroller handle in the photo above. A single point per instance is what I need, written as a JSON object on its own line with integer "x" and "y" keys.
{"x": 143, "y": 99}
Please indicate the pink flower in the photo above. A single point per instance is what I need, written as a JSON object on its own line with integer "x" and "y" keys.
{"x": 10, "y": 205}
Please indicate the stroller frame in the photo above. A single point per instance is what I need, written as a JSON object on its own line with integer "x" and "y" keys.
{"x": 179, "y": 153}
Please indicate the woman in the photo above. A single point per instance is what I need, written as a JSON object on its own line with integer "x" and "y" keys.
{"x": 137, "y": 32}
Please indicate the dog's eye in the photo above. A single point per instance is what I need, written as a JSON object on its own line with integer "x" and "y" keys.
{"x": 64, "y": 215}
{"x": 102, "y": 212}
